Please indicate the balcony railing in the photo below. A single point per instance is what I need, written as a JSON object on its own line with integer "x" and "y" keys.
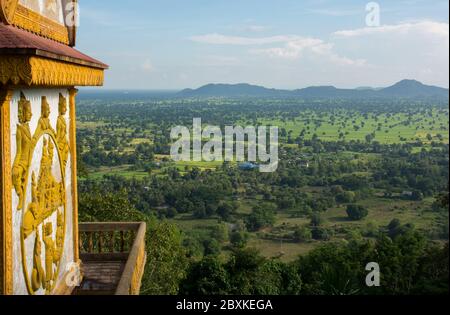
{"x": 113, "y": 258}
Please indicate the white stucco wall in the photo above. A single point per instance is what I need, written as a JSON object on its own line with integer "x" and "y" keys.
{"x": 34, "y": 96}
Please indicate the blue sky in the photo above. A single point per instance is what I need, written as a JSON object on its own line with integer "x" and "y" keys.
{"x": 174, "y": 44}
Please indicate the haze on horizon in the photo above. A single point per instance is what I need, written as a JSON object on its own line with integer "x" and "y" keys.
{"x": 284, "y": 44}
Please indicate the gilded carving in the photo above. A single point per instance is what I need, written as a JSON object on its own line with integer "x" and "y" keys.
{"x": 44, "y": 121}
{"x": 50, "y": 190}
{"x": 61, "y": 131}
{"x": 15, "y": 70}
{"x": 48, "y": 196}
{"x": 23, "y": 141}
{"x": 36, "y": 23}
{"x": 38, "y": 274}
{"x": 49, "y": 256}
{"x": 6, "y": 281}
{"x": 46, "y": 72}
{"x": 7, "y": 10}
{"x": 33, "y": 215}
{"x": 64, "y": 74}
{"x": 59, "y": 235}
{"x": 73, "y": 156}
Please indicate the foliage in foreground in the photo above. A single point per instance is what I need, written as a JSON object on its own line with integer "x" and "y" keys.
{"x": 409, "y": 263}
{"x": 166, "y": 262}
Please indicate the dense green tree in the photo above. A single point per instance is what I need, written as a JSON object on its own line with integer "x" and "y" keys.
{"x": 321, "y": 234}
{"x": 239, "y": 238}
{"x": 225, "y": 210}
{"x": 302, "y": 234}
{"x": 357, "y": 212}
{"x": 220, "y": 232}
{"x": 261, "y": 216}
{"x": 316, "y": 219}
{"x": 206, "y": 277}
{"x": 212, "y": 247}
{"x": 345, "y": 197}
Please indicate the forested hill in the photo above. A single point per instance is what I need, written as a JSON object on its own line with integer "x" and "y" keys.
{"x": 402, "y": 89}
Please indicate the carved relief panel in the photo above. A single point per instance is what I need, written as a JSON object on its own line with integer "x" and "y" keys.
{"x": 41, "y": 175}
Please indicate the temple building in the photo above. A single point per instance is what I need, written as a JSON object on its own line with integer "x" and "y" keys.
{"x": 43, "y": 248}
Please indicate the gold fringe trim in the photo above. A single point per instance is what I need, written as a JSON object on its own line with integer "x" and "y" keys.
{"x": 37, "y": 71}
{"x": 40, "y": 25}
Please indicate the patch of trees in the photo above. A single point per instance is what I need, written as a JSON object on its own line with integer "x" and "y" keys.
{"x": 356, "y": 212}
{"x": 262, "y": 216}
{"x": 415, "y": 267}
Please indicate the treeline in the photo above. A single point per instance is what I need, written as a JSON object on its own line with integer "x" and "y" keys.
{"x": 344, "y": 180}
{"x": 409, "y": 264}
{"x": 145, "y": 113}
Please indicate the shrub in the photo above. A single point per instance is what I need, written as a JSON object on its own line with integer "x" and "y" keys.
{"x": 302, "y": 234}
{"x": 357, "y": 212}
{"x": 321, "y": 234}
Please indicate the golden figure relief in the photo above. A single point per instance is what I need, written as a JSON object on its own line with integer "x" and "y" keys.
{"x": 38, "y": 274}
{"x": 51, "y": 193}
{"x": 23, "y": 141}
{"x": 48, "y": 198}
{"x": 44, "y": 121}
{"x": 48, "y": 194}
{"x": 32, "y": 217}
{"x": 49, "y": 256}
{"x": 61, "y": 131}
{"x": 59, "y": 235}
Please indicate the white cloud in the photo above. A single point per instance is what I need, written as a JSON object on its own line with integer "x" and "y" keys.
{"x": 316, "y": 47}
{"x": 424, "y": 27}
{"x": 413, "y": 49}
{"x": 293, "y": 46}
{"x": 219, "y": 39}
{"x": 368, "y": 56}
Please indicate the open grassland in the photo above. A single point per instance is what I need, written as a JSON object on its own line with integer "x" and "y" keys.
{"x": 387, "y": 128}
{"x": 123, "y": 171}
{"x": 272, "y": 242}
{"x": 335, "y": 125}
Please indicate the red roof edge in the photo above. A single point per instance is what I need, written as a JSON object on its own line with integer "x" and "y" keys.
{"x": 20, "y": 42}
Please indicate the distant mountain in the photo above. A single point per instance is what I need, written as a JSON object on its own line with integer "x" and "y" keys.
{"x": 231, "y": 90}
{"x": 403, "y": 89}
{"x": 413, "y": 88}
